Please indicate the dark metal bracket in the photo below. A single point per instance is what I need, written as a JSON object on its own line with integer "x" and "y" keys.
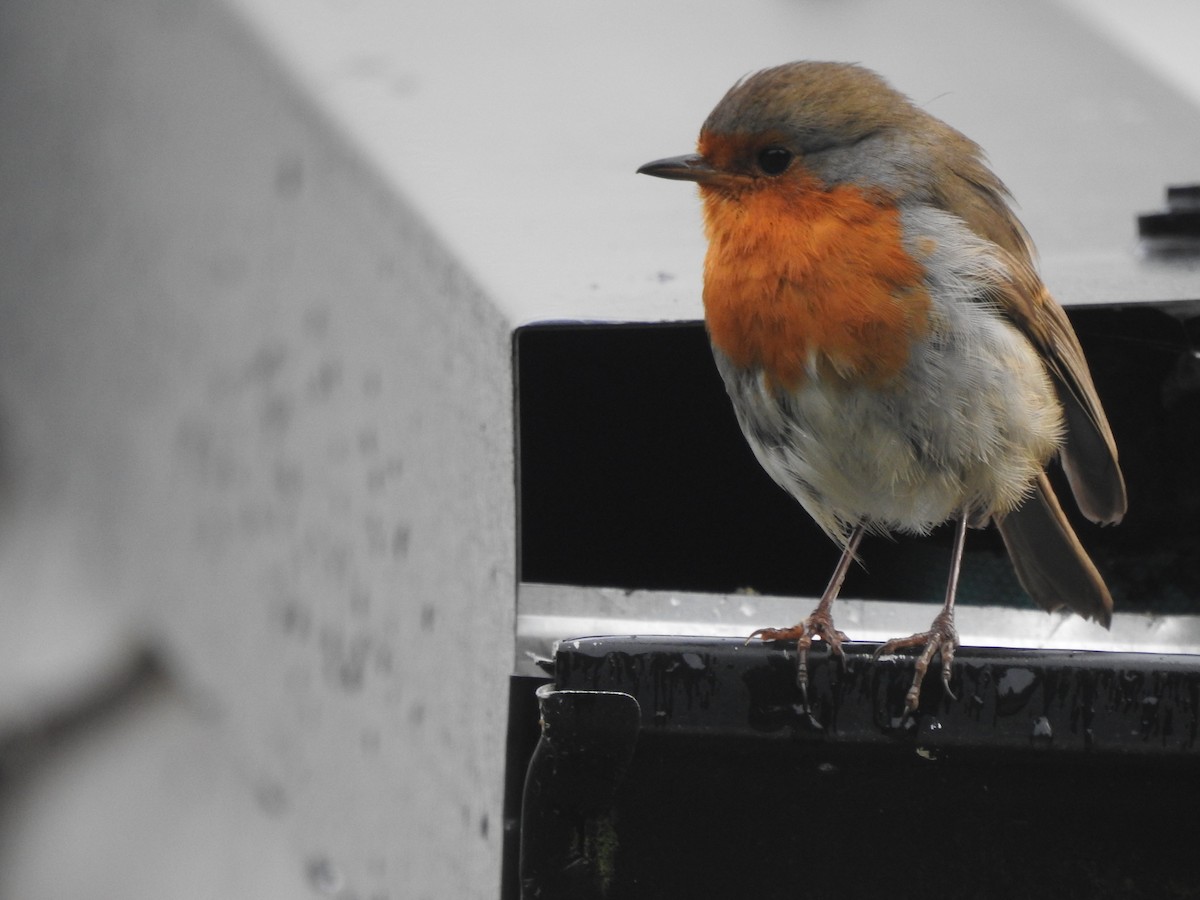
{"x": 588, "y": 739}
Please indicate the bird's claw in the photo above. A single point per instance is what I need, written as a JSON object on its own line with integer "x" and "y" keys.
{"x": 815, "y": 627}
{"x": 819, "y": 625}
{"x": 941, "y": 638}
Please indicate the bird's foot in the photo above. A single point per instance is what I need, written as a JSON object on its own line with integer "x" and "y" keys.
{"x": 941, "y": 638}
{"x": 819, "y": 625}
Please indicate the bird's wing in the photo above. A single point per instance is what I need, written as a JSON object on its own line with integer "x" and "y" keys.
{"x": 1089, "y": 456}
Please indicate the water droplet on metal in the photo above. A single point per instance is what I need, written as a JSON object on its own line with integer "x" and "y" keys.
{"x": 1014, "y": 688}
{"x": 1043, "y": 733}
{"x": 1014, "y": 681}
{"x": 1149, "y": 714}
{"x": 929, "y": 734}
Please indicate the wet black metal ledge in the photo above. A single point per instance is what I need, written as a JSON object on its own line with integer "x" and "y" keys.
{"x": 1050, "y": 701}
{"x": 672, "y": 767}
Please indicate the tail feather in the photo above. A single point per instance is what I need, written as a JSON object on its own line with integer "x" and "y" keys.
{"x": 1050, "y": 562}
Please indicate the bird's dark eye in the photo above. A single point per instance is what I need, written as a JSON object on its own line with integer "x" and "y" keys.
{"x": 774, "y": 160}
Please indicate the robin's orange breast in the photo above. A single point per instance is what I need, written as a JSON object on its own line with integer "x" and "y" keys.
{"x": 799, "y": 279}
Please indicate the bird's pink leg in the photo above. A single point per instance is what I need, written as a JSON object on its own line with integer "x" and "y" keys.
{"x": 942, "y": 637}
{"x": 820, "y": 623}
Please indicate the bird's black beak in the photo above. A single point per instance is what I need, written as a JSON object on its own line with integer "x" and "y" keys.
{"x": 691, "y": 167}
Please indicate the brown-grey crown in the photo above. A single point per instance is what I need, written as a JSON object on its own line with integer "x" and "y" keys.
{"x": 814, "y": 105}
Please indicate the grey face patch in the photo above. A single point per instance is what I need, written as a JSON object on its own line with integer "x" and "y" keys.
{"x": 883, "y": 160}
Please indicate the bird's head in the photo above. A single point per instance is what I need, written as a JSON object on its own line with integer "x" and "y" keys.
{"x": 816, "y": 124}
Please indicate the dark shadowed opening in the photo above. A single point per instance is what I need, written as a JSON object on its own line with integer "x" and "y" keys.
{"x": 633, "y": 474}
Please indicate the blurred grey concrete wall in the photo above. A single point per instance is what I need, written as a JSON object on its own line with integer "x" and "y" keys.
{"x": 254, "y": 416}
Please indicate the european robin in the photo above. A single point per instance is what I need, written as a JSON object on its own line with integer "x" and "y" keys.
{"x": 892, "y": 356}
